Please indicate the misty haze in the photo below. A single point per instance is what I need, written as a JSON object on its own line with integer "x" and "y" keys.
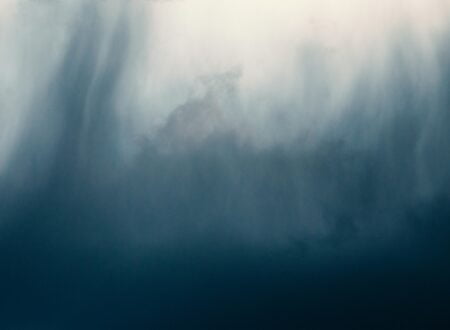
{"x": 224, "y": 164}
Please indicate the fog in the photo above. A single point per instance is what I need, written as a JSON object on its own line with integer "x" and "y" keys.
{"x": 221, "y": 154}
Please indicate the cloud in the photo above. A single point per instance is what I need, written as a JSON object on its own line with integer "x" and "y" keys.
{"x": 173, "y": 164}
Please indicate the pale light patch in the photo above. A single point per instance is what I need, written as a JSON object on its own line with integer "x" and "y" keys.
{"x": 266, "y": 39}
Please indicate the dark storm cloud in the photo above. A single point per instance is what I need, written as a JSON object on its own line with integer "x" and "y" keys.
{"x": 203, "y": 229}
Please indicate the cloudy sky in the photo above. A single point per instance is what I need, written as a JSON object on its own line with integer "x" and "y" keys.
{"x": 206, "y": 164}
